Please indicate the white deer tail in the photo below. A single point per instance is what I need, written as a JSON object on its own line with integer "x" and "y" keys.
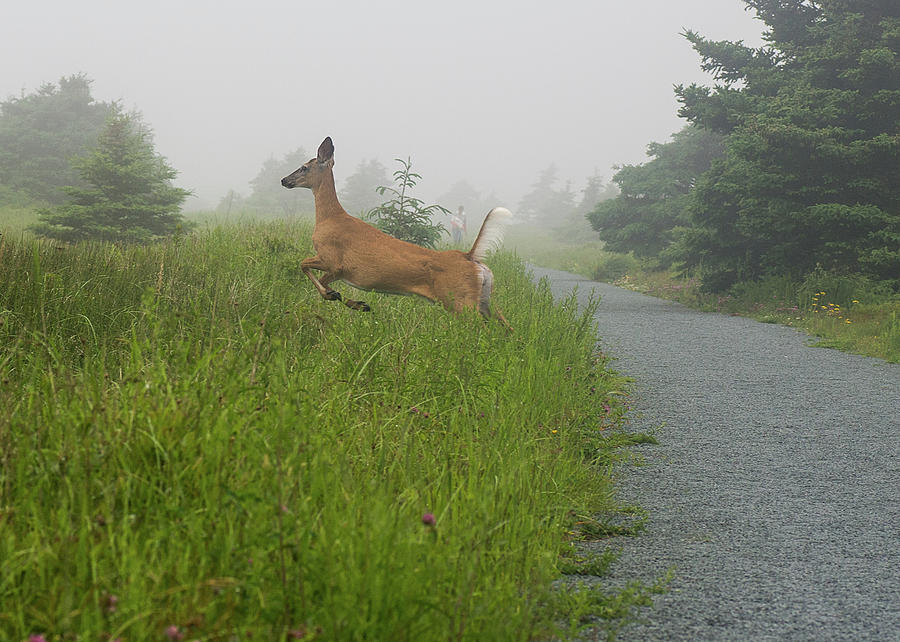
{"x": 491, "y": 233}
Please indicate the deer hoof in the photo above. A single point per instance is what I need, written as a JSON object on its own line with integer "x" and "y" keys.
{"x": 360, "y": 306}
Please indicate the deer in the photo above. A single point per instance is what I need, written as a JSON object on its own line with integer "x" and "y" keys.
{"x": 350, "y": 250}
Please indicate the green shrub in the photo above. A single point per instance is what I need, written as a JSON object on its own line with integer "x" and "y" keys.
{"x": 611, "y": 266}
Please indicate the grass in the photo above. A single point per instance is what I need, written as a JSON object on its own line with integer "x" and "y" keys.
{"x": 847, "y": 313}
{"x": 566, "y": 250}
{"x": 194, "y": 445}
{"x": 15, "y": 220}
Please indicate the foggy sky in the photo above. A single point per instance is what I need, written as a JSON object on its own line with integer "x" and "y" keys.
{"x": 489, "y": 92}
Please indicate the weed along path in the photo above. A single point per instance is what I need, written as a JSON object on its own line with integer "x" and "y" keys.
{"x": 775, "y": 489}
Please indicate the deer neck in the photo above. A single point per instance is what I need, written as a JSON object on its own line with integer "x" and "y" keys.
{"x": 327, "y": 204}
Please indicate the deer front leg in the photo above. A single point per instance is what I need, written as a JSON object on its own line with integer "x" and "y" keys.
{"x": 321, "y": 284}
{"x": 315, "y": 263}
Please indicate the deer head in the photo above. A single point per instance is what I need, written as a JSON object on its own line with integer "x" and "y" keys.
{"x": 311, "y": 173}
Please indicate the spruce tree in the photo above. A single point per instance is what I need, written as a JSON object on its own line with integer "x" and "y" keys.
{"x": 812, "y": 123}
{"x": 654, "y": 198}
{"x": 128, "y": 194}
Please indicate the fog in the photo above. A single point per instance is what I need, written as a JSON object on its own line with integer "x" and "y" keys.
{"x": 488, "y": 92}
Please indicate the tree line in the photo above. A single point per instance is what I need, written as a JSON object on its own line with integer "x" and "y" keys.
{"x": 90, "y": 164}
{"x": 92, "y": 172}
{"x": 789, "y": 163}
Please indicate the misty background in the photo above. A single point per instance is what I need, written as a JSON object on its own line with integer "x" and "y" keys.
{"x": 490, "y": 93}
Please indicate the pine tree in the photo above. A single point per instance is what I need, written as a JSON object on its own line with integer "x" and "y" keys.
{"x": 812, "y": 119}
{"x": 546, "y": 204}
{"x": 40, "y": 132}
{"x": 654, "y": 197}
{"x": 269, "y": 197}
{"x": 360, "y": 194}
{"x": 128, "y": 195}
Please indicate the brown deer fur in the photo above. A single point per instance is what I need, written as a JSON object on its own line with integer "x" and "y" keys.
{"x": 350, "y": 250}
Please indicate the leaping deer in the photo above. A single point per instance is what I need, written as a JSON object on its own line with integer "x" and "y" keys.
{"x": 350, "y": 250}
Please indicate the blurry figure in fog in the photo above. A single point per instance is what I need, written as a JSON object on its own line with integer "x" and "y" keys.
{"x": 458, "y": 225}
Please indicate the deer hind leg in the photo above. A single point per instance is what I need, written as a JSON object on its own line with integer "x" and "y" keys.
{"x": 484, "y": 299}
{"x": 321, "y": 284}
{"x": 360, "y": 306}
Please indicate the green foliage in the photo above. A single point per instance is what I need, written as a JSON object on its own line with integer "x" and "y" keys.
{"x": 188, "y": 439}
{"x": 406, "y": 217}
{"x": 40, "y": 133}
{"x": 359, "y": 194}
{"x": 812, "y": 120}
{"x": 594, "y": 193}
{"x": 611, "y": 266}
{"x": 654, "y": 197}
{"x": 128, "y": 195}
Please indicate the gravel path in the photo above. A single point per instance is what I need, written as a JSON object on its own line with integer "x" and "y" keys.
{"x": 775, "y": 489}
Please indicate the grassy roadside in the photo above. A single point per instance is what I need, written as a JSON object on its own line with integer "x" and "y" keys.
{"x": 194, "y": 445}
{"x": 845, "y": 313}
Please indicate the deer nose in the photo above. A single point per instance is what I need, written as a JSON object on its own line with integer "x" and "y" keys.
{"x": 285, "y": 182}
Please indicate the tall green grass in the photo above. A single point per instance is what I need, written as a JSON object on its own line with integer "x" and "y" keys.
{"x": 193, "y": 443}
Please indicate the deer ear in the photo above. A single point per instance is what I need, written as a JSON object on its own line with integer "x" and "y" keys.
{"x": 326, "y": 150}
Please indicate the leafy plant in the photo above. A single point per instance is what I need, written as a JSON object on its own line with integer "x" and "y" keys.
{"x": 404, "y": 216}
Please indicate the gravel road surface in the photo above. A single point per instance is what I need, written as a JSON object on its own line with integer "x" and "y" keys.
{"x": 775, "y": 490}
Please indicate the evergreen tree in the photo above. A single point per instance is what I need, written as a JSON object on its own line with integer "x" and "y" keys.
{"x": 41, "y": 132}
{"x": 654, "y": 197}
{"x": 546, "y": 204}
{"x": 128, "y": 195}
{"x": 461, "y": 193}
{"x": 360, "y": 194}
{"x": 269, "y": 197}
{"x": 594, "y": 193}
{"x": 810, "y": 172}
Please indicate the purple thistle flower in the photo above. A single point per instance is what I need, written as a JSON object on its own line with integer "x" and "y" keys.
{"x": 428, "y": 520}
{"x": 37, "y": 637}
{"x": 110, "y": 603}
